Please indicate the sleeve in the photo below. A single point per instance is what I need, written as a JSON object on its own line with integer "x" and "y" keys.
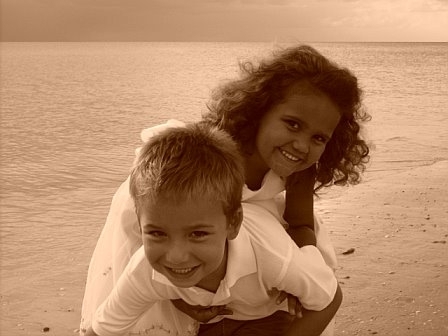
{"x": 301, "y": 272}
{"x": 119, "y": 239}
{"x": 133, "y": 295}
{"x": 148, "y": 133}
{"x": 309, "y": 278}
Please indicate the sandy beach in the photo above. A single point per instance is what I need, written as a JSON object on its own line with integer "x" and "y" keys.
{"x": 68, "y": 138}
{"x": 394, "y": 281}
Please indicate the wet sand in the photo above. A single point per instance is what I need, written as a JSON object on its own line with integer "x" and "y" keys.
{"x": 394, "y": 282}
{"x": 392, "y": 228}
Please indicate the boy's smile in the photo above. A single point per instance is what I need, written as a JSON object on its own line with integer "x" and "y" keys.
{"x": 187, "y": 241}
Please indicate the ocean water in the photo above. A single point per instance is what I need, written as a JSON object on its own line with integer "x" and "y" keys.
{"x": 71, "y": 114}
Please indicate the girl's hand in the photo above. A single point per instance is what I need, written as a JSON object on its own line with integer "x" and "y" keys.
{"x": 201, "y": 313}
{"x": 294, "y": 305}
{"x": 307, "y": 176}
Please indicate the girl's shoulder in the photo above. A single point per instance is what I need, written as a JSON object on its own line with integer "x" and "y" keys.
{"x": 271, "y": 186}
{"x": 149, "y": 132}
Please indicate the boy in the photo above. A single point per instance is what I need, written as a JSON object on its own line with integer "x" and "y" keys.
{"x": 187, "y": 184}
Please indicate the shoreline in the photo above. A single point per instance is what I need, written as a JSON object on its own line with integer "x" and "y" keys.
{"x": 393, "y": 282}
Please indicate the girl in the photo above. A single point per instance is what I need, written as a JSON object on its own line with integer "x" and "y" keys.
{"x": 297, "y": 120}
{"x": 265, "y": 103}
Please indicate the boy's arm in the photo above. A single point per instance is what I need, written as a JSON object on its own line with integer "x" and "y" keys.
{"x": 313, "y": 323}
{"x": 309, "y": 278}
{"x": 90, "y": 332}
{"x": 299, "y": 206}
{"x": 133, "y": 294}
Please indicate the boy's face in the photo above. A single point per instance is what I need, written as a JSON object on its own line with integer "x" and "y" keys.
{"x": 186, "y": 242}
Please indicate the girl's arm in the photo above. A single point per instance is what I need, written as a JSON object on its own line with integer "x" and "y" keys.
{"x": 315, "y": 322}
{"x": 299, "y": 215}
{"x": 299, "y": 206}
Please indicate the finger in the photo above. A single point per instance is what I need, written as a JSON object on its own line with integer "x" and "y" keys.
{"x": 292, "y": 305}
{"x": 298, "y": 308}
{"x": 206, "y": 314}
{"x": 225, "y": 311}
{"x": 281, "y": 297}
{"x": 216, "y": 310}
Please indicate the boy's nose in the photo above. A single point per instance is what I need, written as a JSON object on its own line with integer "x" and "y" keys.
{"x": 177, "y": 254}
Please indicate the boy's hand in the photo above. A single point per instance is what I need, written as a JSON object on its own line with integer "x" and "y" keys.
{"x": 201, "y": 313}
{"x": 294, "y": 305}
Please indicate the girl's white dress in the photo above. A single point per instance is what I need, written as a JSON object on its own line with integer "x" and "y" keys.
{"x": 121, "y": 237}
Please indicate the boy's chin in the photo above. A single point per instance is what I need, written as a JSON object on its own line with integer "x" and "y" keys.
{"x": 183, "y": 280}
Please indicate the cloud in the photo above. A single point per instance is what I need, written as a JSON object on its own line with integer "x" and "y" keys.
{"x": 224, "y": 20}
{"x": 384, "y": 20}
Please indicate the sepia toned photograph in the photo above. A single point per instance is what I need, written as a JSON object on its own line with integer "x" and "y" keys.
{"x": 224, "y": 167}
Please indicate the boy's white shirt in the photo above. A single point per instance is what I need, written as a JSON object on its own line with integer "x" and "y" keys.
{"x": 260, "y": 258}
{"x": 120, "y": 238}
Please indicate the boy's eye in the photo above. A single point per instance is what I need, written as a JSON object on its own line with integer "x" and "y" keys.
{"x": 156, "y": 234}
{"x": 199, "y": 234}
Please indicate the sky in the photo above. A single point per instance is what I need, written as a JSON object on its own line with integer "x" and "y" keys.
{"x": 225, "y": 20}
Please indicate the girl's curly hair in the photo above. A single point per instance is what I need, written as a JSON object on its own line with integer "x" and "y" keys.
{"x": 238, "y": 107}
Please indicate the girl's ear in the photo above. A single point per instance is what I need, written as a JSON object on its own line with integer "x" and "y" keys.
{"x": 235, "y": 224}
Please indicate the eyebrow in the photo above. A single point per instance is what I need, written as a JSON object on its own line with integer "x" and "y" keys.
{"x": 145, "y": 225}
{"x": 193, "y": 227}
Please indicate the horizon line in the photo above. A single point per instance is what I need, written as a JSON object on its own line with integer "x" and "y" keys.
{"x": 198, "y": 41}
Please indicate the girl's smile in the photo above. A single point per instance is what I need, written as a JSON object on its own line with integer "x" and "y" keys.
{"x": 289, "y": 156}
{"x": 293, "y": 134}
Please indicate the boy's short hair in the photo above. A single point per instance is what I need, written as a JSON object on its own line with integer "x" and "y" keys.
{"x": 187, "y": 163}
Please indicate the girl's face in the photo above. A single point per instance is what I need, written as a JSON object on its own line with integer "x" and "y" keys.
{"x": 293, "y": 134}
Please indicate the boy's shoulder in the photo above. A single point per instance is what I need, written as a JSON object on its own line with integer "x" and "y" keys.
{"x": 270, "y": 245}
{"x": 261, "y": 224}
{"x": 266, "y": 234}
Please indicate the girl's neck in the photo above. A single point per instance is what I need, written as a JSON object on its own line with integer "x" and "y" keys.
{"x": 255, "y": 170}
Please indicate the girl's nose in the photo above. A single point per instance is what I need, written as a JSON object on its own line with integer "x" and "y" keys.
{"x": 302, "y": 144}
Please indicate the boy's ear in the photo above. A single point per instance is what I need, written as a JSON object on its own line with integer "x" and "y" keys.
{"x": 235, "y": 224}
{"x": 138, "y": 220}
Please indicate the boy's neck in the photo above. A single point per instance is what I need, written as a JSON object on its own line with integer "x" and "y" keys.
{"x": 211, "y": 282}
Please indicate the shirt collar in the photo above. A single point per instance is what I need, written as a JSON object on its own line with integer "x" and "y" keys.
{"x": 159, "y": 277}
{"x": 271, "y": 185}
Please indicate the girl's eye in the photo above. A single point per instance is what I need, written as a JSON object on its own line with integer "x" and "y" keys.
{"x": 199, "y": 234}
{"x": 292, "y": 124}
{"x": 321, "y": 139}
